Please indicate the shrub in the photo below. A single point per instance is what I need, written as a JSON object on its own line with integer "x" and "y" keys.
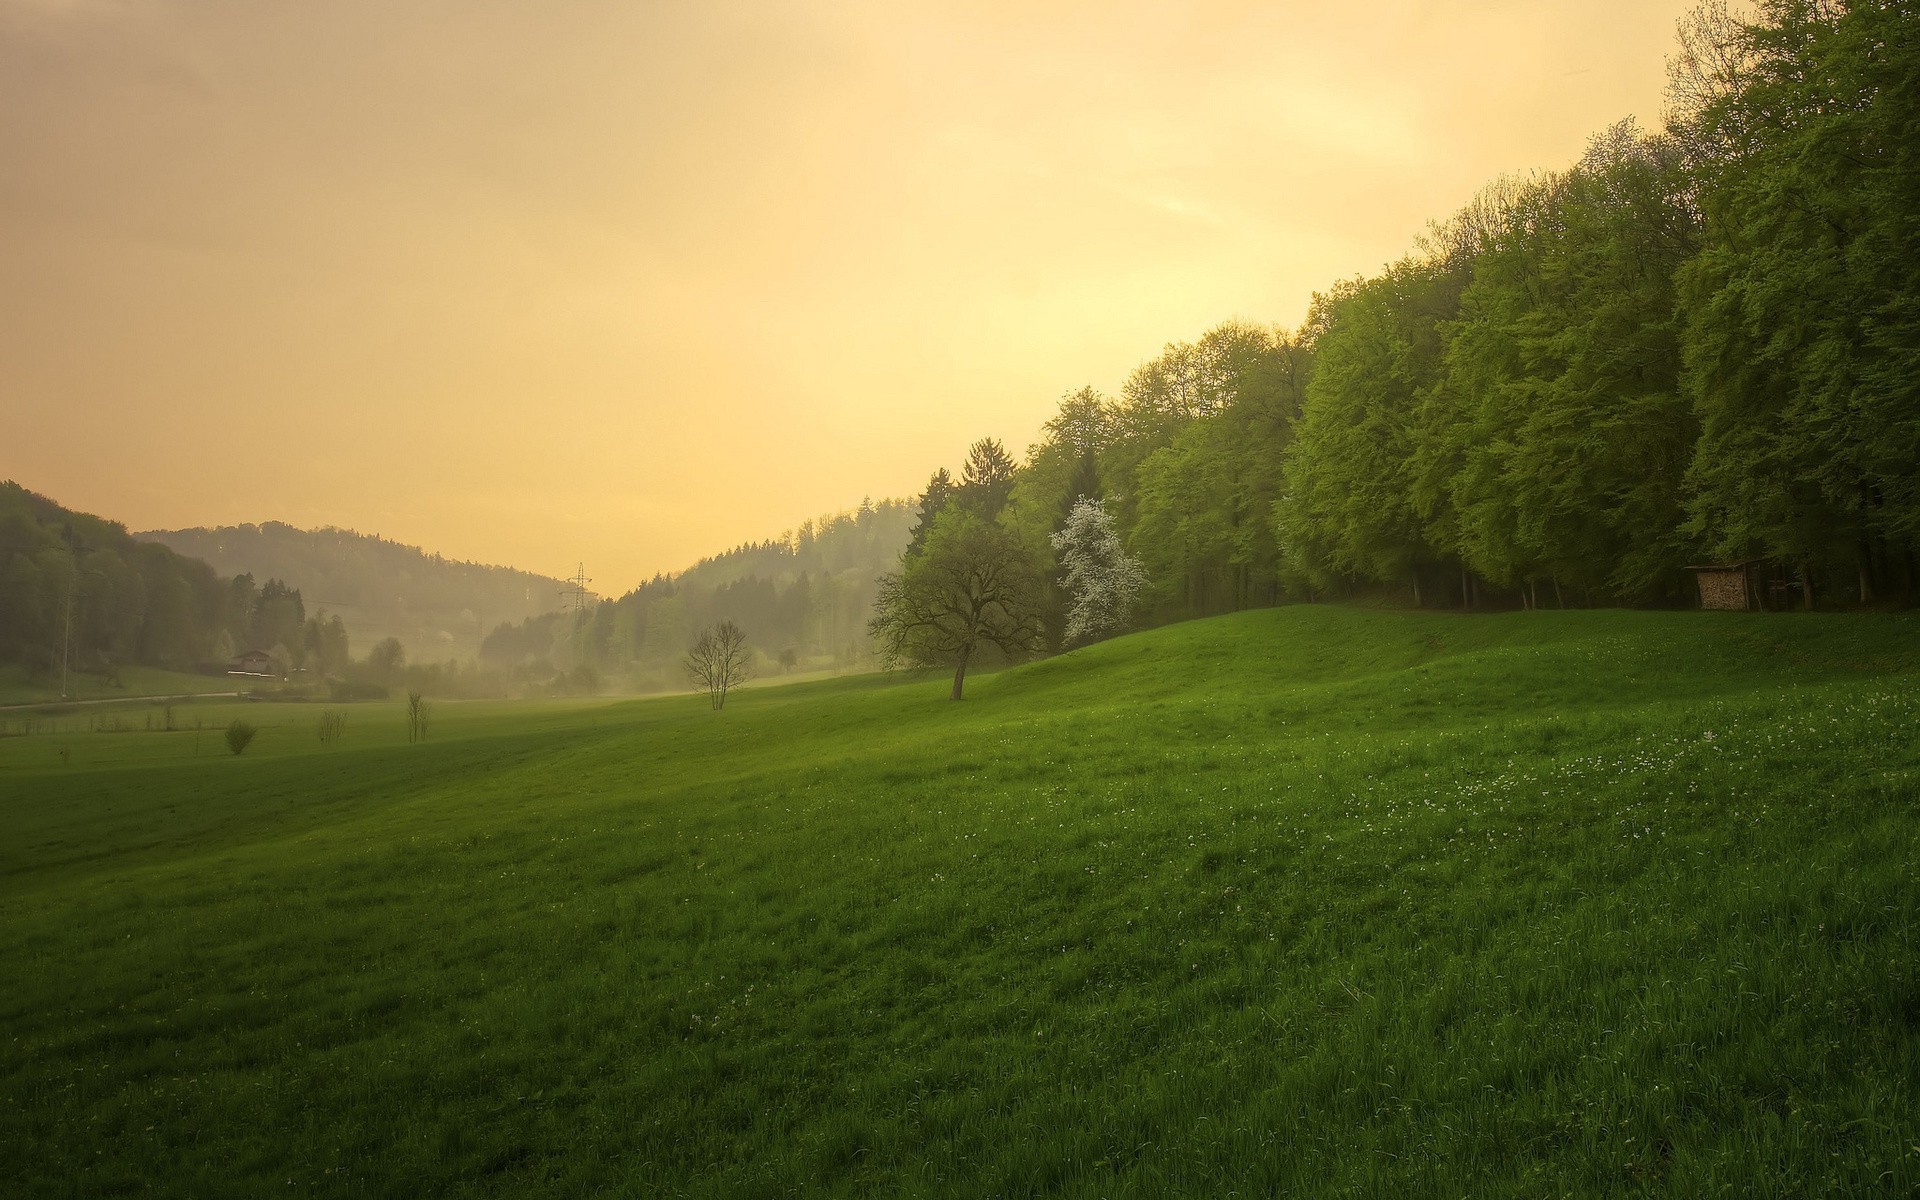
{"x": 239, "y": 735}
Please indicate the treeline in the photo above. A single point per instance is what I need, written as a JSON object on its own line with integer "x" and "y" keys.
{"x": 134, "y": 602}
{"x": 1700, "y": 344}
{"x": 803, "y": 598}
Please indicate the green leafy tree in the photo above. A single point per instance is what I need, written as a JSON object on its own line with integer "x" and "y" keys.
{"x": 986, "y": 479}
{"x": 1559, "y": 433}
{"x": 933, "y": 502}
{"x": 1802, "y": 313}
{"x": 1348, "y": 510}
{"x": 974, "y": 585}
{"x": 386, "y": 659}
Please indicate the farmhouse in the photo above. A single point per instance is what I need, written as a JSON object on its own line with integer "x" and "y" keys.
{"x": 255, "y": 663}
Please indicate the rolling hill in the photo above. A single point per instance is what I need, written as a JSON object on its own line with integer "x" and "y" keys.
{"x": 1300, "y": 901}
{"x": 439, "y": 608}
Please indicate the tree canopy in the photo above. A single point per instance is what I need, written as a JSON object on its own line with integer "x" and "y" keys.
{"x": 971, "y": 586}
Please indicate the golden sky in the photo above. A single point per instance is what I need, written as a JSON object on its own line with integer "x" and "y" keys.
{"x": 562, "y": 280}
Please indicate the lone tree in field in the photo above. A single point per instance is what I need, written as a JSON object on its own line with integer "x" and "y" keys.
{"x": 1102, "y": 581}
{"x": 971, "y": 585}
{"x": 719, "y": 661}
{"x": 419, "y": 713}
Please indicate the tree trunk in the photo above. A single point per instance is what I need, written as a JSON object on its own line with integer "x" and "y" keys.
{"x": 1466, "y": 589}
{"x": 1866, "y": 576}
{"x": 960, "y": 672}
{"x": 1559, "y": 599}
{"x": 1806, "y": 586}
{"x": 1416, "y": 589}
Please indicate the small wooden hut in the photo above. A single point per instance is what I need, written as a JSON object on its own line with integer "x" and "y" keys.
{"x": 1735, "y": 585}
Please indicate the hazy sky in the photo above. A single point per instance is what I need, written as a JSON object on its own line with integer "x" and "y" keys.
{"x": 551, "y": 281}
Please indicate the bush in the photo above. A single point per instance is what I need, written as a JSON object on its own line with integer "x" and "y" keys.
{"x": 239, "y": 735}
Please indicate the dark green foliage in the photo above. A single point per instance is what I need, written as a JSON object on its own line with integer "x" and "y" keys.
{"x": 386, "y": 659}
{"x": 324, "y": 645}
{"x": 1701, "y": 343}
{"x": 1352, "y": 510}
{"x": 130, "y": 602}
{"x": 279, "y": 621}
{"x": 384, "y": 588}
{"x": 1803, "y": 311}
{"x": 810, "y": 589}
{"x": 972, "y": 587}
{"x": 932, "y": 503}
{"x": 1559, "y": 434}
{"x": 239, "y": 736}
{"x": 1084, "y": 484}
{"x": 986, "y": 479}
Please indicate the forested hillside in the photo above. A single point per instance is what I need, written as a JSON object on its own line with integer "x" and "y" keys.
{"x": 77, "y": 588}
{"x": 803, "y": 598}
{"x": 437, "y": 607}
{"x": 1701, "y": 344}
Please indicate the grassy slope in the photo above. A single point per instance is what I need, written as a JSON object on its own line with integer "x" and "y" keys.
{"x": 17, "y": 688}
{"x": 1351, "y": 903}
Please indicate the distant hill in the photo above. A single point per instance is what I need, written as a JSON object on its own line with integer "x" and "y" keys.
{"x": 438, "y": 607}
{"x": 78, "y": 591}
{"x": 804, "y": 599}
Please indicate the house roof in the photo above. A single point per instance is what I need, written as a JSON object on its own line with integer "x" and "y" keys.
{"x": 1741, "y": 564}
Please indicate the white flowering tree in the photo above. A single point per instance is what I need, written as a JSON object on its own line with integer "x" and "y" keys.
{"x": 1102, "y": 581}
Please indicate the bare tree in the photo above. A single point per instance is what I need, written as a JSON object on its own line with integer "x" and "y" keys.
{"x": 419, "y": 712}
{"x": 719, "y": 661}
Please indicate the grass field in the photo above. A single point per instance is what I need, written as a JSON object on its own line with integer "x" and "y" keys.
{"x": 1309, "y": 901}
{"x": 16, "y": 687}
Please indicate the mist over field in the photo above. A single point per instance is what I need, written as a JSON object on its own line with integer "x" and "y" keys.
{"x": 835, "y": 600}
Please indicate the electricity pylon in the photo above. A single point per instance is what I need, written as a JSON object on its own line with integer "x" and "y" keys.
{"x": 576, "y": 593}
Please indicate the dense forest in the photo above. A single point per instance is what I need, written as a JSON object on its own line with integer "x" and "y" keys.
{"x": 80, "y": 590}
{"x": 436, "y": 607}
{"x": 803, "y": 597}
{"x": 1695, "y": 345}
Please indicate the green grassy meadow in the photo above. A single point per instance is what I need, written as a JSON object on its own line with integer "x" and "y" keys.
{"x": 1309, "y": 901}
{"x": 18, "y": 688}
